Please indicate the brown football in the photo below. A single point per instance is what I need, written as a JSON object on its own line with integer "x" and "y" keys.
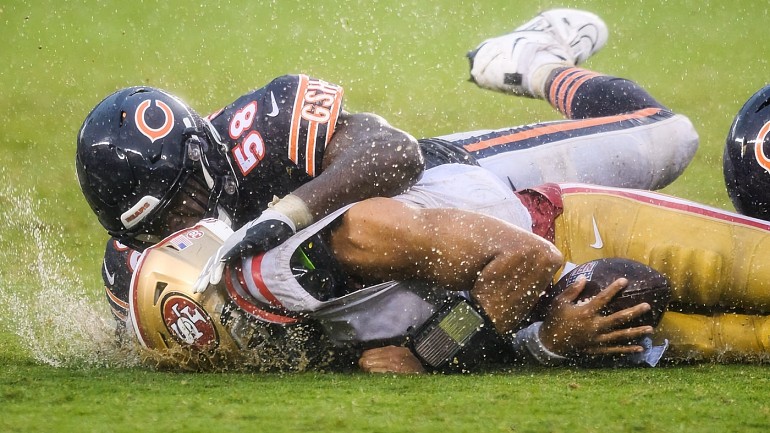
{"x": 645, "y": 284}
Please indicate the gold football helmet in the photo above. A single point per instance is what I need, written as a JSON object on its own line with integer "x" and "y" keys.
{"x": 175, "y": 326}
{"x": 218, "y": 329}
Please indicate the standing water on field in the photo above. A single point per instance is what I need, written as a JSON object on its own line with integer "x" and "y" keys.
{"x": 42, "y": 298}
{"x": 62, "y": 322}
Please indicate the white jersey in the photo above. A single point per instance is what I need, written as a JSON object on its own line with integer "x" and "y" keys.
{"x": 398, "y": 305}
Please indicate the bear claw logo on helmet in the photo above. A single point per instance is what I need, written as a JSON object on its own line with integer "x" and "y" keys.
{"x": 746, "y": 161}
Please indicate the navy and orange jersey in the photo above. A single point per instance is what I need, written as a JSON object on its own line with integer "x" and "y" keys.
{"x": 276, "y": 137}
{"x": 117, "y": 269}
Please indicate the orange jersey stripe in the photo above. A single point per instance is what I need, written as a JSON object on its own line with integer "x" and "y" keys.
{"x": 296, "y": 119}
{"x": 312, "y": 129}
{"x": 117, "y": 301}
{"x": 559, "y": 127}
{"x": 335, "y": 114}
{"x": 119, "y": 314}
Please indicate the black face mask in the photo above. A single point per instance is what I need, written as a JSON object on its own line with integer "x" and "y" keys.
{"x": 188, "y": 205}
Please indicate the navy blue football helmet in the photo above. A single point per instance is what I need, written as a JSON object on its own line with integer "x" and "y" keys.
{"x": 746, "y": 159}
{"x": 148, "y": 165}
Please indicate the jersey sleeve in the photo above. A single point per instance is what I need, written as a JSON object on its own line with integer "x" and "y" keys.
{"x": 117, "y": 268}
{"x": 276, "y": 138}
{"x": 312, "y": 107}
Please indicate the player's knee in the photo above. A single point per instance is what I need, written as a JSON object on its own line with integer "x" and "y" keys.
{"x": 672, "y": 148}
{"x": 688, "y": 139}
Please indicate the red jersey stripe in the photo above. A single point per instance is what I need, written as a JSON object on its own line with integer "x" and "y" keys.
{"x": 669, "y": 202}
{"x": 296, "y": 119}
{"x": 245, "y": 302}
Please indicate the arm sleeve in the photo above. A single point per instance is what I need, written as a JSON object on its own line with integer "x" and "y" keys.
{"x": 117, "y": 269}
{"x": 312, "y": 109}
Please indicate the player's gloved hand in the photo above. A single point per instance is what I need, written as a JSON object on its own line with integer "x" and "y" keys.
{"x": 276, "y": 224}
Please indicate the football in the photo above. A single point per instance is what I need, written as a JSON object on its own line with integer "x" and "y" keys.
{"x": 645, "y": 284}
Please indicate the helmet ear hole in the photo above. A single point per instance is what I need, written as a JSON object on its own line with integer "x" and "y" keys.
{"x": 160, "y": 286}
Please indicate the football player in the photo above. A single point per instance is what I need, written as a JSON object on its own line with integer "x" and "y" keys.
{"x": 442, "y": 252}
{"x": 148, "y": 164}
{"x": 370, "y": 272}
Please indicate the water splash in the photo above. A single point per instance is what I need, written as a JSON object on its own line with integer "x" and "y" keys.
{"x": 44, "y": 302}
{"x": 62, "y": 322}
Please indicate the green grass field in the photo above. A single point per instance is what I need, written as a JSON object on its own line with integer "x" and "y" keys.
{"x": 401, "y": 59}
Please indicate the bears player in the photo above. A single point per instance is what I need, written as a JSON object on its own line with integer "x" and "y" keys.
{"x": 149, "y": 165}
{"x": 745, "y": 163}
{"x": 145, "y": 176}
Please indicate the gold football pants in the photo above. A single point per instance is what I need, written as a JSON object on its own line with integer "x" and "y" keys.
{"x": 716, "y": 261}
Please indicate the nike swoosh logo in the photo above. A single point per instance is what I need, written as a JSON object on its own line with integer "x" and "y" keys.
{"x": 598, "y": 243}
{"x": 274, "y": 111}
{"x": 110, "y": 277}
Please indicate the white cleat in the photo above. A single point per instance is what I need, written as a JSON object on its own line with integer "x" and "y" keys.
{"x": 519, "y": 62}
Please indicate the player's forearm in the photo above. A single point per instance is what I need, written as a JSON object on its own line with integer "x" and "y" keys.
{"x": 509, "y": 285}
{"x": 366, "y": 158}
{"x": 504, "y": 267}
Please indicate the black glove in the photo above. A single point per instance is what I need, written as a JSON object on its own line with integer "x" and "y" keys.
{"x": 262, "y": 234}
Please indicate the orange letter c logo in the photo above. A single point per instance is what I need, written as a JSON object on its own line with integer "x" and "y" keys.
{"x": 759, "y": 152}
{"x": 149, "y": 132}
